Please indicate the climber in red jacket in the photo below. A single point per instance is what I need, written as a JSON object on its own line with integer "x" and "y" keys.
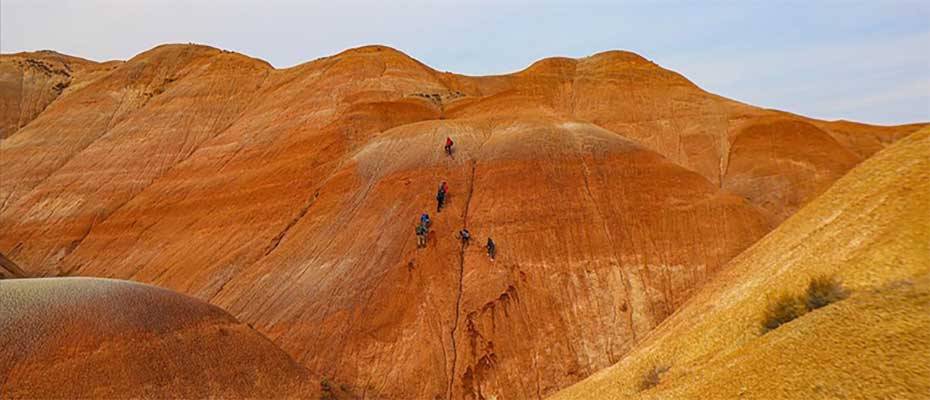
{"x": 449, "y": 146}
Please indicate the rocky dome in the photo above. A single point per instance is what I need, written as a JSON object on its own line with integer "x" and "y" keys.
{"x": 101, "y": 338}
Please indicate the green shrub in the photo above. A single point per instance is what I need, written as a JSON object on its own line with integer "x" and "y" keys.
{"x": 652, "y": 377}
{"x": 824, "y": 290}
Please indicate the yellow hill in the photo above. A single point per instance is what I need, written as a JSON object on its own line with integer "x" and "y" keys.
{"x": 872, "y": 231}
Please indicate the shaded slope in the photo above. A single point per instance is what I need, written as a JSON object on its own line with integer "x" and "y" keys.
{"x": 288, "y": 197}
{"x": 870, "y": 230}
{"x": 780, "y": 163}
{"x": 81, "y": 338}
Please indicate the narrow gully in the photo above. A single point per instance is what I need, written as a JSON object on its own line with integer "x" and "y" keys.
{"x": 458, "y": 300}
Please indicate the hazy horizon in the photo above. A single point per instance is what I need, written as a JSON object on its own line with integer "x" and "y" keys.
{"x": 833, "y": 60}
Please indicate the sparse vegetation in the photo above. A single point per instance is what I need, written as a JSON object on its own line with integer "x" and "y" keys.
{"x": 652, "y": 377}
{"x": 784, "y": 309}
{"x": 822, "y": 291}
{"x": 326, "y": 390}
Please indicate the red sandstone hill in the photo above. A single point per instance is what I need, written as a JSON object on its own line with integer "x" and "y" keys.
{"x": 614, "y": 188}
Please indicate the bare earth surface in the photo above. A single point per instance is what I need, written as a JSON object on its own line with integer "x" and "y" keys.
{"x": 614, "y": 189}
{"x": 101, "y": 338}
{"x": 872, "y": 231}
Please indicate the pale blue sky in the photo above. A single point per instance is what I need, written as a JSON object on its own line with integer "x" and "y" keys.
{"x": 861, "y": 60}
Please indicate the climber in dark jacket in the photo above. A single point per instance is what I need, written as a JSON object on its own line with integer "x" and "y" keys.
{"x": 424, "y": 220}
{"x": 492, "y": 249}
{"x": 421, "y": 235}
{"x": 464, "y": 236}
{"x": 441, "y": 197}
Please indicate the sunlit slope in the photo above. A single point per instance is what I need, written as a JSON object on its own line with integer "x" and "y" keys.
{"x": 872, "y": 230}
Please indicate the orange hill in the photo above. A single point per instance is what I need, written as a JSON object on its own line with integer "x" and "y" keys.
{"x": 614, "y": 188}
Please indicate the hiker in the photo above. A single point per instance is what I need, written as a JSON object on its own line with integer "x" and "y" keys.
{"x": 492, "y": 249}
{"x": 424, "y": 220}
{"x": 441, "y": 196}
{"x": 449, "y": 146}
{"x": 421, "y": 235}
{"x": 464, "y": 236}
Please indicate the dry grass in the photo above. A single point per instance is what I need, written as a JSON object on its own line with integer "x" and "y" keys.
{"x": 326, "y": 390}
{"x": 783, "y": 310}
{"x": 652, "y": 377}
{"x": 330, "y": 390}
{"x": 822, "y": 291}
